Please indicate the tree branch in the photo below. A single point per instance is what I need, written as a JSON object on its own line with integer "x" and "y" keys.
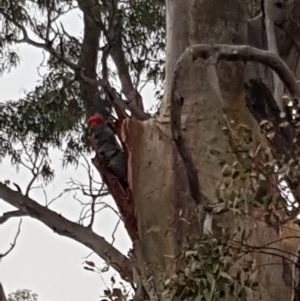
{"x": 7, "y": 215}
{"x": 46, "y": 46}
{"x": 14, "y": 242}
{"x": 64, "y": 227}
{"x": 242, "y": 53}
{"x": 115, "y": 99}
{"x": 220, "y": 52}
{"x": 88, "y": 61}
{"x": 117, "y": 54}
{"x": 113, "y": 48}
{"x": 135, "y": 102}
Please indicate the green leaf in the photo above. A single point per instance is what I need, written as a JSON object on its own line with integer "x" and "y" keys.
{"x": 206, "y": 294}
{"x": 209, "y": 277}
{"x": 215, "y": 267}
{"x": 225, "y": 275}
{"x": 90, "y": 263}
{"x": 199, "y": 297}
{"x": 212, "y": 289}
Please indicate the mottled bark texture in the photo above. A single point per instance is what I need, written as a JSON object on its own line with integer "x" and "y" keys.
{"x": 158, "y": 211}
{"x": 160, "y": 201}
{"x": 157, "y": 177}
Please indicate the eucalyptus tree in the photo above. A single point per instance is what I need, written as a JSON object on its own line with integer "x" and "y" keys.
{"x": 212, "y": 194}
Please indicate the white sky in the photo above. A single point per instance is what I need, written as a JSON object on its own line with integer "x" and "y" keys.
{"x": 42, "y": 261}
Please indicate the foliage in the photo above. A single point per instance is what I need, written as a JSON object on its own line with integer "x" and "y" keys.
{"x": 53, "y": 113}
{"x": 116, "y": 293}
{"x": 211, "y": 272}
{"x": 221, "y": 267}
{"x": 144, "y": 40}
{"x": 23, "y": 295}
{"x": 48, "y": 115}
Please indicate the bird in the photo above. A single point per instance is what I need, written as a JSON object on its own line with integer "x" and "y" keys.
{"x": 108, "y": 149}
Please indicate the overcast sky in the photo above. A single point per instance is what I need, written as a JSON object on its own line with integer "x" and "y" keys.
{"x": 48, "y": 264}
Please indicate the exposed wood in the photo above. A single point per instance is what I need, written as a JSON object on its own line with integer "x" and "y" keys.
{"x": 122, "y": 197}
{"x": 211, "y": 96}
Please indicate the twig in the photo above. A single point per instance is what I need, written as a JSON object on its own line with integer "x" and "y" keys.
{"x": 12, "y": 245}
{"x": 92, "y": 212}
{"x": 114, "y": 231}
{"x": 35, "y": 172}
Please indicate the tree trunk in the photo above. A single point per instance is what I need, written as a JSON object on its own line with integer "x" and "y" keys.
{"x": 168, "y": 218}
{"x": 217, "y": 142}
{"x": 2, "y": 294}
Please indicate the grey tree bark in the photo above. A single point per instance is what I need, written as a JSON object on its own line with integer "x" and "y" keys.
{"x": 159, "y": 208}
{"x": 164, "y": 204}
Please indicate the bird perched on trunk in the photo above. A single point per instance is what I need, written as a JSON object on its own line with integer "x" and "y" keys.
{"x": 108, "y": 149}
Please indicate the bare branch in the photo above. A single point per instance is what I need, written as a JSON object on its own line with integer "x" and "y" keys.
{"x": 14, "y": 242}
{"x": 269, "y": 15}
{"x": 220, "y": 52}
{"x": 114, "y": 231}
{"x": 88, "y": 59}
{"x": 114, "y": 48}
{"x": 7, "y": 215}
{"x": 88, "y": 190}
{"x": 65, "y": 227}
{"x": 92, "y": 212}
{"x": 114, "y": 38}
{"x": 241, "y": 53}
{"x": 117, "y": 54}
{"x": 115, "y": 98}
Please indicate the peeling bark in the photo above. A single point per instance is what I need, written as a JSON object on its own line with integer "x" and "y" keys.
{"x": 159, "y": 183}
{"x": 206, "y": 96}
{"x": 157, "y": 175}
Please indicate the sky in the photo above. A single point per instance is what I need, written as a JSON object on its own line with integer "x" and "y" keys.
{"x": 42, "y": 261}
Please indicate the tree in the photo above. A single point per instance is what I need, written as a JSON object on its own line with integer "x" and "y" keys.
{"x": 222, "y": 146}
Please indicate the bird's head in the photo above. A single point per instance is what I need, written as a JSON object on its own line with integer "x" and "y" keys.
{"x": 94, "y": 120}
